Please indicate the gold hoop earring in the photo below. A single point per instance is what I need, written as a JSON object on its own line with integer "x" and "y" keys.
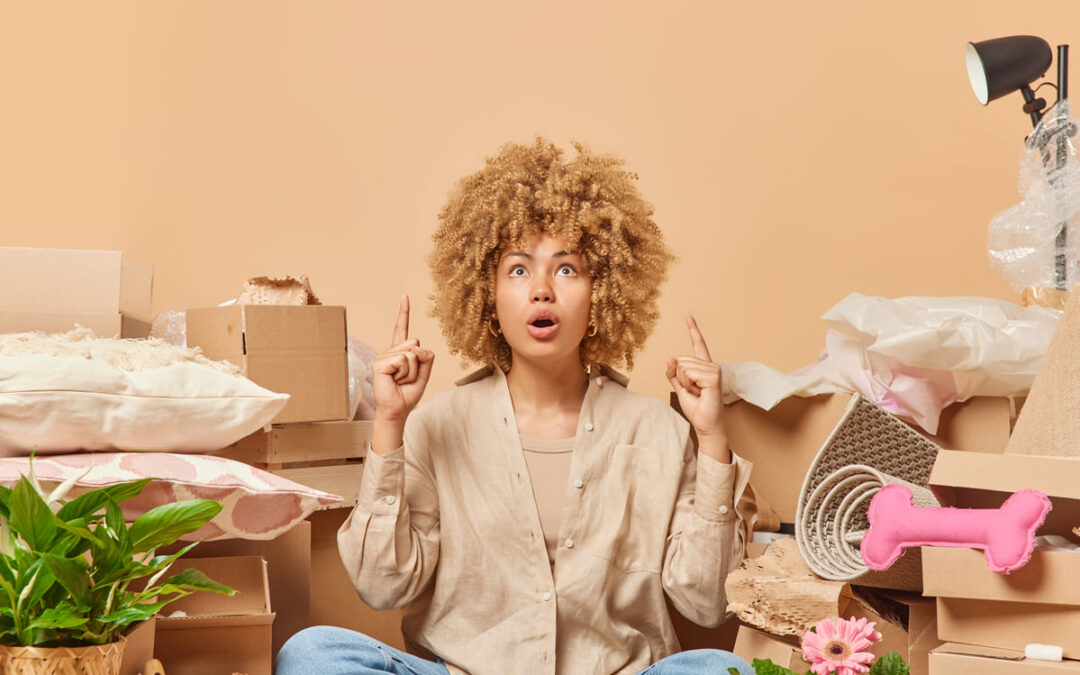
{"x": 593, "y": 332}
{"x": 491, "y": 327}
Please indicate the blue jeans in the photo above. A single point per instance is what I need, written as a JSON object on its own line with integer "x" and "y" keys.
{"x": 328, "y": 650}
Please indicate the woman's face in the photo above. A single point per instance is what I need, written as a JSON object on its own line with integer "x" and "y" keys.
{"x": 542, "y": 299}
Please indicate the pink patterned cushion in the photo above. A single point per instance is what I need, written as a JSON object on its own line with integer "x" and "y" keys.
{"x": 257, "y": 504}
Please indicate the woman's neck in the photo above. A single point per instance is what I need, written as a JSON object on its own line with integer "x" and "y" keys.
{"x": 552, "y": 391}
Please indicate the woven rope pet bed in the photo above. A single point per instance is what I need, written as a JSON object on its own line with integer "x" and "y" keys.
{"x": 869, "y": 448}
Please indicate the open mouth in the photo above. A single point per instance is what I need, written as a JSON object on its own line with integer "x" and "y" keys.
{"x": 543, "y": 327}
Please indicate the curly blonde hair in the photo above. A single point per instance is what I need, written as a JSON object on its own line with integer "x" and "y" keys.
{"x": 592, "y": 203}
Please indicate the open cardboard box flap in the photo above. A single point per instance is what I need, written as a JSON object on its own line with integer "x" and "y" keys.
{"x": 250, "y": 605}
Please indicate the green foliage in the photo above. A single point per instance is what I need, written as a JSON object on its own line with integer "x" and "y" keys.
{"x": 67, "y": 568}
{"x": 890, "y": 664}
{"x": 767, "y": 667}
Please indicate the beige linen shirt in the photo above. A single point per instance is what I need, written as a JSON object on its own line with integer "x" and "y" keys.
{"x": 448, "y": 526}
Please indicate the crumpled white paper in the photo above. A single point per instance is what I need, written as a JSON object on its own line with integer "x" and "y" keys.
{"x": 913, "y": 356}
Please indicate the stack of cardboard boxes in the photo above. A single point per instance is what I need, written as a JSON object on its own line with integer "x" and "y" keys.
{"x": 989, "y": 619}
{"x": 298, "y": 350}
{"x": 783, "y": 442}
{"x": 969, "y": 619}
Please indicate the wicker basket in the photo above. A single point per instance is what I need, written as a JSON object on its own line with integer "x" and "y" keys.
{"x": 90, "y": 660}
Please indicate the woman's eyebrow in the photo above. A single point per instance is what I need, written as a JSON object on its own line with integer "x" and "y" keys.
{"x": 558, "y": 254}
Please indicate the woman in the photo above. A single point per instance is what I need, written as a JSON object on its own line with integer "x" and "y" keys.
{"x": 533, "y": 519}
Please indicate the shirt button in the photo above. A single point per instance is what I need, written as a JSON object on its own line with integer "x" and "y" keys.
{"x": 588, "y": 426}
{"x": 546, "y": 595}
{"x": 390, "y": 499}
{"x": 723, "y": 510}
{"x": 569, "y": 543}
{"x": 578, "y": 483}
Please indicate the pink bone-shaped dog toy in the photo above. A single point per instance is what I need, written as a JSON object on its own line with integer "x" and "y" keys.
{"x": 1006, "y": 535}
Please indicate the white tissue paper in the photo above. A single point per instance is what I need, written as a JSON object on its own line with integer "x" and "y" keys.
{"x": 913, "y": 356}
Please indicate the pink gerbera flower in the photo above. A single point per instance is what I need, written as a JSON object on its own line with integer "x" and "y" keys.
{"x": 839, "y": 646}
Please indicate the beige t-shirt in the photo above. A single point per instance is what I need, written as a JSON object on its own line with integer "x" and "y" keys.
{"x": 548, "y": 461}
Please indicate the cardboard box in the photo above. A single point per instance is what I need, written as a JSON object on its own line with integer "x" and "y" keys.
{"x": 783, "y": 442}
{"x": 140, "y": 647}
{"x": 751, "y": 643}
{"x": 1050, "y": 577}
{"x": 334, "y": 601}
{"x": 53, "y": 289}
{"x": 292, "y": 349}
{"x": 976, "y": 480}
{"x": 907, "y": 622}
{"x": 291, "y": 443}
{"x": 219, "y": 634}
{"x": 288, "y": 571}
{"x": 1009, "y": 625}
{"x": 955, "y": 659}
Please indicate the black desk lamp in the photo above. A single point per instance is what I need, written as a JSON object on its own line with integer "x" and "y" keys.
{"x": 1003, "y": 65}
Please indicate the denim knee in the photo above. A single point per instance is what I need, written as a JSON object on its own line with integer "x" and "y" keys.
{"x": 318, "y": 650}
{"x": 705, "y": 661}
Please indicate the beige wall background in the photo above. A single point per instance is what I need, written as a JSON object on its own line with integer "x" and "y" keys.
{"x": 795, "y": 152}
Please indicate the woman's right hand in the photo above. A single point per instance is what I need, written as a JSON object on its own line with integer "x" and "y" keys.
{"x": 400, "y": 374}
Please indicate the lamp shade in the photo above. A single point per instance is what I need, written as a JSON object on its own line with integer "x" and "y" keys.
{"x": 1003, "y": 65}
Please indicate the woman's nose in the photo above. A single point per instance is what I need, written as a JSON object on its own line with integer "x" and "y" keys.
{"x": 541, "y": 292}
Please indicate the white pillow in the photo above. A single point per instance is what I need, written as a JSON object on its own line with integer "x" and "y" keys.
{"x": 72, "y": 391}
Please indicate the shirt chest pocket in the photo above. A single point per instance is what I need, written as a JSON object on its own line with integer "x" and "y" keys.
{"x": 636, "y": 500}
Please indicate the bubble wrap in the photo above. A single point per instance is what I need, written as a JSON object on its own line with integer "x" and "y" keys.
{"x": 1022, "y": 241}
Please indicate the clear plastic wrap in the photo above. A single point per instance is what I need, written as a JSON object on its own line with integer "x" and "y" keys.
{"x": 1023, "y": 241}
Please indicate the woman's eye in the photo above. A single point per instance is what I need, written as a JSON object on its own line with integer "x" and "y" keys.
{"x": 566, "y": 271}
{"x": 517, "y": 271}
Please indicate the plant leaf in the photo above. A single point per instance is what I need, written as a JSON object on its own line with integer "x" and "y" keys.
{"x": 166, "y": 523}
{"x": 121, "y": 619}
{"x": 93, "y": 501}
{"x": 40, "y": 581}
{"x": 767, "y": 667}
{"x": 71, "y": 576}
{"x": 63, "y": 616}
{"x": 192, "y": 579}
{"x": 890, "y": 664}
{"x": 31, "y": 518}
{"x": 114, "y": 519}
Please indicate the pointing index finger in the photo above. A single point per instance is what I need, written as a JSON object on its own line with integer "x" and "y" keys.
{"x": 696, "y": 339}
{"x": 401, "y": 328}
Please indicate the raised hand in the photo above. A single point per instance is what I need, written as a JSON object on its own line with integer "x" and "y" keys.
{"x": 400, "y": 374}
{"x": 698, "y": 383}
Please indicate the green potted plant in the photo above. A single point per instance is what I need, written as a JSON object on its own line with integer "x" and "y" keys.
{"x": 74, "y": 575}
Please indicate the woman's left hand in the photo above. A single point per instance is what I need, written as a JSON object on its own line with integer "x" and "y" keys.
{"x": 698, "y": 383}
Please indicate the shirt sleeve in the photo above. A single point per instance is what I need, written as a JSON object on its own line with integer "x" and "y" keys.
{"x": 704, "y": 541}
{"x": 390, "y": 542}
